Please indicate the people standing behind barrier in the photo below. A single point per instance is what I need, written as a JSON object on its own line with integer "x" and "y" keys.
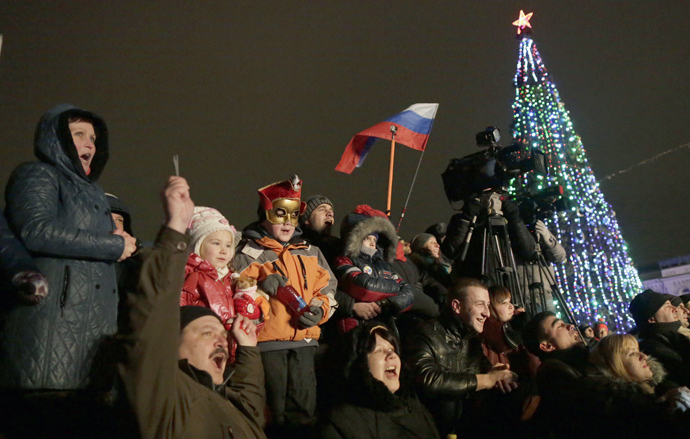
{"x": 374, "y": 391}
{"x": 301, "y": 288}
{"x": 63, "y": 218}
{"x": 364, "y": 271}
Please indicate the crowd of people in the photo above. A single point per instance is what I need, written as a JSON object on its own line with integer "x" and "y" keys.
{"x": 285, "y": 330}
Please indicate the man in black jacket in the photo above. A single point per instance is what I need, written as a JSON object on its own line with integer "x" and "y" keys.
{"x": 659, "y": 324}
{"x": 564, "y": 358}
{"x": 316, "y": 223}
{"x": 447, "y": 357}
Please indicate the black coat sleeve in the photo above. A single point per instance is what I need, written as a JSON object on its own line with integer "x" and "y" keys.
{"x": 432, "y": 379}
{"x": 458, "y": 227}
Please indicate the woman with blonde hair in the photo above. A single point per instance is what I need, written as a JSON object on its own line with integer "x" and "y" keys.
{"x": 618, "y": 356}
{"x": 626, "y": 394}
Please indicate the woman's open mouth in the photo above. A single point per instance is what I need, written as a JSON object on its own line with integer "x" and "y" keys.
{"x": 391, "y": 372}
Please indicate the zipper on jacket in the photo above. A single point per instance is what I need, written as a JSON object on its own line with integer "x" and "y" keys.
{"x": 63, "y": 296}
{"x": 304, "y": 272}
{"x": 277, "y": 268}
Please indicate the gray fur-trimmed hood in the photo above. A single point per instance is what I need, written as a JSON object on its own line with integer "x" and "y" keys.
{"x": 658, "y": 372}
{"x": 358, "y": 225}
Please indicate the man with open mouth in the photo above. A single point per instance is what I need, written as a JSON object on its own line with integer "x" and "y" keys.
{"x": 174, "y": 372}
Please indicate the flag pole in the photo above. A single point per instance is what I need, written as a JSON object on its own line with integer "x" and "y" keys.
{"x": 394, "y": 130}
{"x": 402, "y": 215}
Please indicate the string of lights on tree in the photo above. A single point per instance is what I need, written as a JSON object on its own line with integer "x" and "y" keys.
{"x": 598, "y": 279}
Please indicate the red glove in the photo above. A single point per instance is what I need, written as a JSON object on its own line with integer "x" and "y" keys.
{"x": 246, "y": 306}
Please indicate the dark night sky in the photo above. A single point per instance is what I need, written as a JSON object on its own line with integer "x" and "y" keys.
{"x": 249, "y": 92}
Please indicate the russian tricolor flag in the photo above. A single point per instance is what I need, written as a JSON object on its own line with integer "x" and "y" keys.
{"x": 414, "y": 125}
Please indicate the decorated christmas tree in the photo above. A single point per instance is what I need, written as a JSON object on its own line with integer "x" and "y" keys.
{"x": 598, "y": 279}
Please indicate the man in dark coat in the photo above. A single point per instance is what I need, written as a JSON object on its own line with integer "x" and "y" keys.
{"x": 446, "y": 357}
{"x": 659, "y": 324}
{"x": 564, "y": 358}
{"x": 194, "y": 397}
{"x": 316, "y": 223}
{"x": 62, "y": 216}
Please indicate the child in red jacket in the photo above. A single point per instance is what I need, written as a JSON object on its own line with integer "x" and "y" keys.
{"x": 208, "y": 275}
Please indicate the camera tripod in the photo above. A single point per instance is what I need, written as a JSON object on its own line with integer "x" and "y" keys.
{"x": 497, "y": 262}
{"x": 498, "y": 265}
{"x": 536, "y": 292}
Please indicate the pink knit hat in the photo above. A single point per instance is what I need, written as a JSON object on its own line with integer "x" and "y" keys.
{"x": 207, "y": 220}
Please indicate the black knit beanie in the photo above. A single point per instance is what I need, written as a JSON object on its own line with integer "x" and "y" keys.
{"x": 646, "y": 304}
{"x": 190, "y": 313}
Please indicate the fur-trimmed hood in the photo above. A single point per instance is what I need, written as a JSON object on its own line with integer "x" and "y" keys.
{"x": 658, "y": 372}
{"x": 363, "y": 222}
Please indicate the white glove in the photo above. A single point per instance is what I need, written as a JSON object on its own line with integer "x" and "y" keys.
{"x": 545, "y": 236}
{"x": 678, "y": 399}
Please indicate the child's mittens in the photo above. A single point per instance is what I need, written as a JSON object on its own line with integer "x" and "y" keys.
{"x": 246, "y": 306}
{"x": 310, "y": 318}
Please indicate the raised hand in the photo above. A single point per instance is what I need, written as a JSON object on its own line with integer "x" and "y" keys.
{"x": 244, "y": 331}
{"x": 177, "y": 203}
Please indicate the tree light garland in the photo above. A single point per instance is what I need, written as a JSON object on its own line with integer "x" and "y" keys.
{"x": 598, "y": 279}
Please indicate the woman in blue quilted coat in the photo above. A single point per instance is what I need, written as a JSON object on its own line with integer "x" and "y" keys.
{"x": 63, "y": 218}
